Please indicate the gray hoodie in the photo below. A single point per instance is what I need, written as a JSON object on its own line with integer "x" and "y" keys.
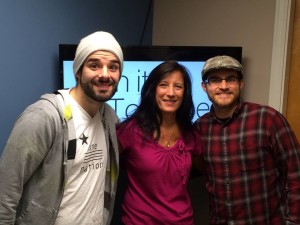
{"x": 33, "y": 166}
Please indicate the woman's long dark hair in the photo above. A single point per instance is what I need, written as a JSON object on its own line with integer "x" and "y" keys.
{"x": 148, "y": 115}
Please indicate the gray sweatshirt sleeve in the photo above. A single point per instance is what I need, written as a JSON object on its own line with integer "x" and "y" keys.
{"x": 27, "y": 146}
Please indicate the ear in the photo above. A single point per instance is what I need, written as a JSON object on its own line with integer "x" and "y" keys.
{"x": 242, "y": 84}
{"x": 204, "y": 86}
{"x": 78, "y": 75}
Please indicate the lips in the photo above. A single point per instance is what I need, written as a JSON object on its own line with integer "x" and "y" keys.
{"x": 224, "y": 93}
{"x": 170, "y": 100}
{"x": 103, "y": 86}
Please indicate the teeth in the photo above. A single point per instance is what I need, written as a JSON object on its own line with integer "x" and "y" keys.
{"x": 170, "y": 100}
{"x": 102, "y": 84}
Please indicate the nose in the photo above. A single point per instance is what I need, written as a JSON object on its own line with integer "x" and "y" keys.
{"x": 223, "y": 84}
{"x": 171, "y": 91}
{"x": 103, "y": 72}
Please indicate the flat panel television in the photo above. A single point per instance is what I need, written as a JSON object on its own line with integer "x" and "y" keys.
{"x": 138, "y": 63}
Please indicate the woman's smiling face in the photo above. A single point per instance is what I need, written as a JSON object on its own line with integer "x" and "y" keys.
{"x": 169, "y": 92}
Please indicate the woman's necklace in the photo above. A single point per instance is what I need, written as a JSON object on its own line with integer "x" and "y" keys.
{"x": 168, "y": 144}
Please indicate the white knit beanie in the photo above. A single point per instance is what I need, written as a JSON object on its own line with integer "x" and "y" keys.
{"x": 99, "y": 40}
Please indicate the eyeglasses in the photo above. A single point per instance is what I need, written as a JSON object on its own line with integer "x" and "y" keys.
{"x": 218, "y": 81}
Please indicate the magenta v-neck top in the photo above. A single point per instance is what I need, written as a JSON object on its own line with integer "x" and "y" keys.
{"x": 157, "y": 179}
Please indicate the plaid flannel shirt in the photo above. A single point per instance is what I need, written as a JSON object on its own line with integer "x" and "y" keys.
{"x": 252, "y": 167}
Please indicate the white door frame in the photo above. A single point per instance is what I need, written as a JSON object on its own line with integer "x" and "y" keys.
{"x": 282, "y": 40}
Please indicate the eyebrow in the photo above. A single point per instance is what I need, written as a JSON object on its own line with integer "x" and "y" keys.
{"x": 99, "y": 60}
{"x": 229, "y": 75}
{"x": 176, "y": 83}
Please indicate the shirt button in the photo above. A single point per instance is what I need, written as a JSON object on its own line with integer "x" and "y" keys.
{"x": 228, "y": 204}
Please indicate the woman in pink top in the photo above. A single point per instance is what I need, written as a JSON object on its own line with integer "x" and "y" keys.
{"x": 157, "y": 143}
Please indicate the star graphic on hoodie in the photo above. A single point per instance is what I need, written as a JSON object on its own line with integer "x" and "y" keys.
{"x": 83, "y": 138}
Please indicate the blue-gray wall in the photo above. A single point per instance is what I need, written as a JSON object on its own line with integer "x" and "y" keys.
{"x": 31, "y": 31}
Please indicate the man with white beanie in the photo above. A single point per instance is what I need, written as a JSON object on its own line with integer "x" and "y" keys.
{"x": 60, "y": 164}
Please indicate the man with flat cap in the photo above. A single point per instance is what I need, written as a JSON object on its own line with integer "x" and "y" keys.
{"x": 251, "y": 155}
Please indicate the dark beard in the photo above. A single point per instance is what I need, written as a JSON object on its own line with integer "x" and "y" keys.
{"x": 98, "y": 97}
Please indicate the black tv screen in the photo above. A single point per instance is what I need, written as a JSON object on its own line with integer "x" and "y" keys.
{"x": 138, "y": 63}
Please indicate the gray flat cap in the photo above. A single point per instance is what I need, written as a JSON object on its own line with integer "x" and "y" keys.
{"x": 221, "y": 62}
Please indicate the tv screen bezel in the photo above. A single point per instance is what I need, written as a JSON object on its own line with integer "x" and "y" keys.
{"x": 156, "y": 53}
